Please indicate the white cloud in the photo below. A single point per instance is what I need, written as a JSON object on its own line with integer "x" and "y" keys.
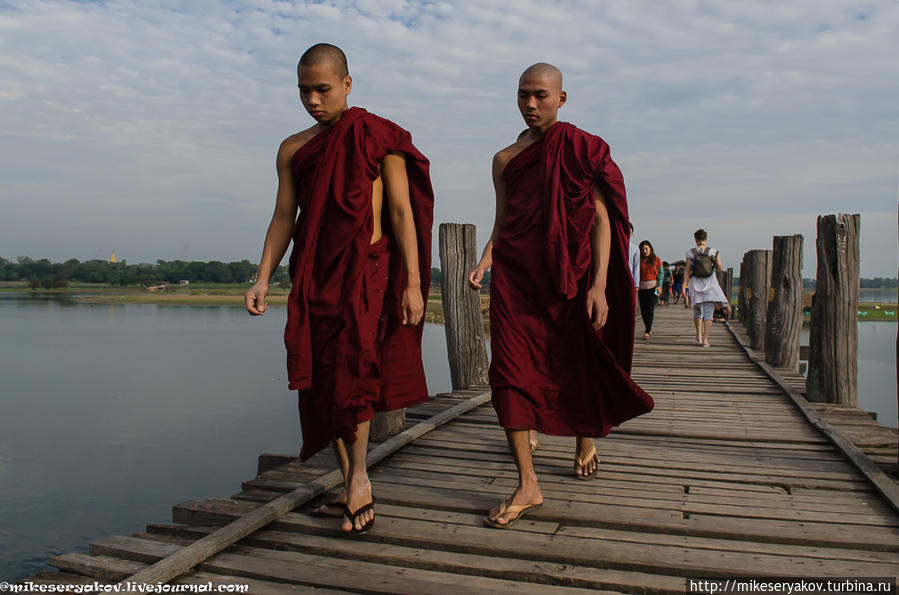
{"x": 153, "y": 126}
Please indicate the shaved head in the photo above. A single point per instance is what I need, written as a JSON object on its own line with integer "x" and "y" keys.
{"x": 325, "y": 53}
{"x": 542, "y": 70}
{"x": 540, "y": 96}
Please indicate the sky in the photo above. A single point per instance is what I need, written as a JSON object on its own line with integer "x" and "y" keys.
{"x": 150, "y": 128}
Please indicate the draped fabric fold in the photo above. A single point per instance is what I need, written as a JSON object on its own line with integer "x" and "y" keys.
{"x": 550, "y": 370}
{"x": 347, "y": 351}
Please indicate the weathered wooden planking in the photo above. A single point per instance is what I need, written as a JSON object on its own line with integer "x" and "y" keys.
{"x": 621, "y": 555}
{"x": 449, "y": 561}
{"x": 295, "y": 567}
{"x": 217, "y": 512}
{"x": 886, "y": 486}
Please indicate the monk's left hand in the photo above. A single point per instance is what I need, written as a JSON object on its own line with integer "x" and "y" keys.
{"x": 413, "y": 306}
{"x": 597, "y": 307}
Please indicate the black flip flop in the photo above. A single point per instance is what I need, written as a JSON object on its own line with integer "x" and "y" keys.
{"x": 352, "y": 518}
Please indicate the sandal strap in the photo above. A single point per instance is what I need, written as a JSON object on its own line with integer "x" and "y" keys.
{"x": 353, "y": 515}
{"x": 516, "y": 510}
{"x": 583, "y": 462}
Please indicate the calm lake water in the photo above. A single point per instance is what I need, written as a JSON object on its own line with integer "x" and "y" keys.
{"x": 113, "y": 413}
{"x": 887, "y": 296}
{"x": 876, "y": 369}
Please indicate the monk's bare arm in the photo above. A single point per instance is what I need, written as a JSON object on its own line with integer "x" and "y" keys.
{"x": 280, "y": 230}
{"x": 396, "y": 185}
{"x": 499, "y": 186}
{"x": 600, "y": 242}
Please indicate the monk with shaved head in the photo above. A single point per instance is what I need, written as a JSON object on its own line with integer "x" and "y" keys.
{"x": 561, "y": 295}
{"x": 360, "y": 272}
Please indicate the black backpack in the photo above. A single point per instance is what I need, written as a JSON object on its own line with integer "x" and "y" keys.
{"x": 703, "y": 263}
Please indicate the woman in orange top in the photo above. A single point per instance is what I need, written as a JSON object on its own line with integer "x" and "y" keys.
{"x": 651, "y": 275}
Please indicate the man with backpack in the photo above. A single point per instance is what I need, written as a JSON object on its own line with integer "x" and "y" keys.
{"x": 702, "y": 283}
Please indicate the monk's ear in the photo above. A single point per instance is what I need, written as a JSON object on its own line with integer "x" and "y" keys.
{"x": 563, "y": 97}
{"x": 348, "y": 84}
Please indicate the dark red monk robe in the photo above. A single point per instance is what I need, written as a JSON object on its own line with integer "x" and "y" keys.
{"x": 550, "y": 370}
{"x": 347, "y": 351}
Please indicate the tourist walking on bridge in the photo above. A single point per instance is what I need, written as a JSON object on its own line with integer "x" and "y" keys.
{"x": 651, "y": 276}
{"x": 702, "y": 283}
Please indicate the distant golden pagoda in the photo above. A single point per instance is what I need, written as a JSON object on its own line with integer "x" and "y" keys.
{"x": 112, "y": 259}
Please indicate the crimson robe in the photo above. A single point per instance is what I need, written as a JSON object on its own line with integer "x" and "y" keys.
{"x": 347, "y": 351}
{"x": 550, "y": 370}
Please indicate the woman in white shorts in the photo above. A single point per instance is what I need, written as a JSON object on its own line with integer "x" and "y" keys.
{"x": 704, "y": 291}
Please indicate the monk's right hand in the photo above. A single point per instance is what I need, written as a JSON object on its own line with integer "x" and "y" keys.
{"x": 475, "y": 276}
{"x": 597, "y": 307}
{"x": 255, "y": 299}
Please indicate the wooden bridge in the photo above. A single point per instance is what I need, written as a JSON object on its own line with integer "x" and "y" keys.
{"x": 726, "y": 477}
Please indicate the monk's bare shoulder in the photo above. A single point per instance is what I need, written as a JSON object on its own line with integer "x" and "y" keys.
{"x": 292, "y": 143}
{"x": 504, "y": 156}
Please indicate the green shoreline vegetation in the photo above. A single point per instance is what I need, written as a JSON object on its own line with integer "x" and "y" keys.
{"x": 232, "y": 294}
{"x": 217, "y": 283}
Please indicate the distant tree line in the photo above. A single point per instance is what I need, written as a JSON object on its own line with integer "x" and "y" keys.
{"x": 879, "y": 283}
{"x": 875, "y": 283}
{"x": 43, "y": 273}
{"x": 50, "y": 275}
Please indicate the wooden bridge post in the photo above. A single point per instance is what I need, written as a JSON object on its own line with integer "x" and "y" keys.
{"x": 784, "y": 317}
{"x": 726, "y": 281}
{"x": 386, "y": 424}
{"x": 756, "y": 281}
{"x": 742, "y": 299}
{"x": 465, "y": 337}
{"x": 833, "y": 338}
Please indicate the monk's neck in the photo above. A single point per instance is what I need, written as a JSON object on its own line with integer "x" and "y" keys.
{"x": 322, "y": 126}
{"x": 539, "y": 132}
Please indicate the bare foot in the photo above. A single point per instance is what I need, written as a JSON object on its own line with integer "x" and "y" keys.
{"x": 359, "y": 492}
{"x": 523, "y": 496}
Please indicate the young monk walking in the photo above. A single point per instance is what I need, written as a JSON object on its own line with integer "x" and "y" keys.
{"x": 561, "y": 294}
{"x": 360, "y": 269}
